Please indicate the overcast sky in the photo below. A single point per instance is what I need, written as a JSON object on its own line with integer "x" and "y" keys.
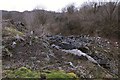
{"x": 53, "y": 5}
{"x": 21, "y": 5}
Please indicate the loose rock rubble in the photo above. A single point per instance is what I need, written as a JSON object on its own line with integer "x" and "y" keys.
{"x": 98, "y": 48}
{"x": 41, "y": 54}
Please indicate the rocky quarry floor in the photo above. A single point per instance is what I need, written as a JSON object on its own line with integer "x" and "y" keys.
{"x": 53, "y": 52}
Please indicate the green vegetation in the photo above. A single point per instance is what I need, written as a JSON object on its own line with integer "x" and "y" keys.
{"x": 12, "y": 32}
{"x": 23, "y": 72}
{"x": 7, "y": 52}
{"x": 61, "y": 74}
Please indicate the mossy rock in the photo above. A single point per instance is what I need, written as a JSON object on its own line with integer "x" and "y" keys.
{"x": 23, "y": 72}
{"x": 62, "y": 75}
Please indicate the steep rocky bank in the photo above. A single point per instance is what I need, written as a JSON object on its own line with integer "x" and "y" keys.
{"x": 45, "y": 53}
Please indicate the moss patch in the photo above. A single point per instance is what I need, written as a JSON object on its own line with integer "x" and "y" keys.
{"x": 23, "y": 72}
{"x": 61, "y": 74}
